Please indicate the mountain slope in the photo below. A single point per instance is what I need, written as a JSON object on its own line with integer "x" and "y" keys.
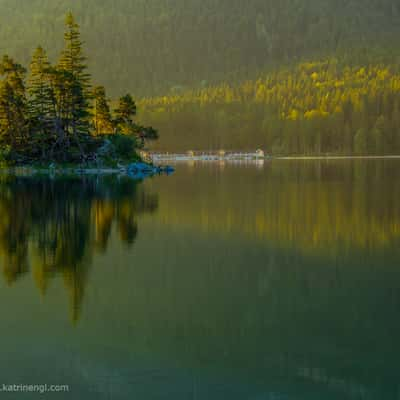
{"x": 151, "y": 46}
{"x": 326, "y": 107}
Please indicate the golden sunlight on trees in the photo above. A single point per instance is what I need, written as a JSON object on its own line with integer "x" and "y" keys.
{"x": 324, "y": 107}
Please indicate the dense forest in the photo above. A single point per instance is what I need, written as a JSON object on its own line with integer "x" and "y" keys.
{"x": 318, "y": 108}
{"x": 151, "y": 47}
{"x": 293, "y": 77}
{"x": 55, "y": 114}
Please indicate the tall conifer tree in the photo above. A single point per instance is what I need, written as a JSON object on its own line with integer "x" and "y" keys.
{"x": 41, "y": 104}
{"x": 126, "y": 110}
{"x": 102, "y": 120}
{"x": 124, "y": 113}
{"x": 13, "y": 104}
{"x": 76, "y": 84}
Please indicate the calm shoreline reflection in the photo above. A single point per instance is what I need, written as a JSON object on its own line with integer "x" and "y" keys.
{"x": 54, "y": 226}
{"x": 243, "y": 282}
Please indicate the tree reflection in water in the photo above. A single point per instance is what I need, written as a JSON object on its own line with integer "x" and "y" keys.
{"x": 55, "y": 226}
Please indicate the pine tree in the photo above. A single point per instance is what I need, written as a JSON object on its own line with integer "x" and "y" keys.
{"x": 102, "y": 120}
{"x": 41, "y": 102}
{"x": 76, "y": 97}
{"x": 147, "y": 134}
{"x": 126, "y": 110}
{"x": 13, "y": 104}
{"x": 124, "y": 113}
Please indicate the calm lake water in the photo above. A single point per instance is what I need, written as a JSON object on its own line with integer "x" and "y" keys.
{"x": 258, "y": 281}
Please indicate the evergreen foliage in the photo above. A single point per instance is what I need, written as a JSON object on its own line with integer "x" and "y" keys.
{"x": 13, "y": 104}
{"x": 125, "y": 112}
{"x": 102, "y": 118}
{"x": 73, "y": 64}
{"x": 41, "y": 104}
{"x": 58, "y": 117}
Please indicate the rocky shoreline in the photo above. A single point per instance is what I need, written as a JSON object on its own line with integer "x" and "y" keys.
{"x": 136, "y": 170}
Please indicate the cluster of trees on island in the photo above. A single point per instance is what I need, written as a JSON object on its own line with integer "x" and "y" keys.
{"x": 55, "y": 114}
{"x": 332, "y": 106}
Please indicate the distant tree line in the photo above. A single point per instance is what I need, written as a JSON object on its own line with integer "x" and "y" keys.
{"x": 53, "y": 113}
{"x": 325, "y": 107}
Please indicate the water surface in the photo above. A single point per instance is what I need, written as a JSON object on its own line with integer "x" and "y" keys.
{"x": 251, "y": 281}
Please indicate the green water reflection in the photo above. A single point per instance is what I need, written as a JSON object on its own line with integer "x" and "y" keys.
{"x": 53, "y": 227}
{"x": 274, "y": 281}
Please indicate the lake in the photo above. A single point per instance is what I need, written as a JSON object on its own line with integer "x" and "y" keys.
{"x": 276, "y": 280}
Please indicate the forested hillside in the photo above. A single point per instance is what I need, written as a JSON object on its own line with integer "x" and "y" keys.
{"x": 319, "y": 108}
{"x": 154, "y": 46}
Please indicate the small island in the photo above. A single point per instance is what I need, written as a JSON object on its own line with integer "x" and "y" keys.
{"x": 53, "y": 118}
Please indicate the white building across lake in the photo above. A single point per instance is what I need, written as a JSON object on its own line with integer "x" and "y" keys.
{"x": 217, "y": 155}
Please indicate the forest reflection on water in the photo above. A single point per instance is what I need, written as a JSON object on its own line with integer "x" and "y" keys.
{"x": 54, "y": 226}
{"x": 310, "y": 205}
{"x": 279, "y": 279}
